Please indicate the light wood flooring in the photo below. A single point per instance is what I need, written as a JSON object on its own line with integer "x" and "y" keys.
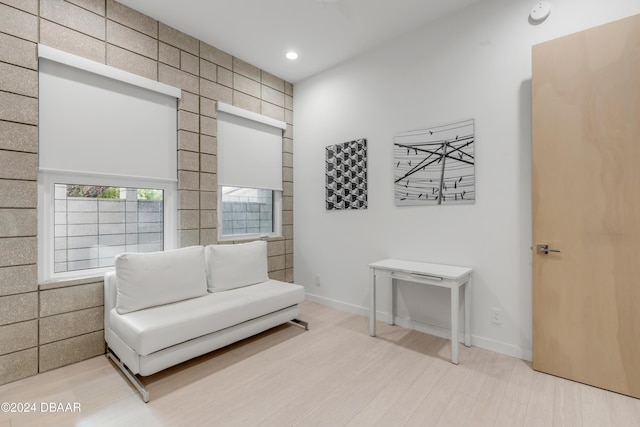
{"x": 335, "y": 374}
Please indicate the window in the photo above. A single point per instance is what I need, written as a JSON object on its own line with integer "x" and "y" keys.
{"x": 247, "y": 211}
{"x": 249, "y": 174}
{"x": 94, "y": 223}
{"x": 107, "y": 178}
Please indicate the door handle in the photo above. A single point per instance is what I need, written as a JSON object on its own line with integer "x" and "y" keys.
{"x": 544, "y": 250}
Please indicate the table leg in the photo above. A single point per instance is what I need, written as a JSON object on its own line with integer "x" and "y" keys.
{"x": 455, "y": 305}
{"x": 372, "y": 307}
{"x": 467, "y": 313}
{"x": 392, "y": 303}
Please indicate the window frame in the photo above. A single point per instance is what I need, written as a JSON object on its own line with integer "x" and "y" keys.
{"x": 46, "y": 216}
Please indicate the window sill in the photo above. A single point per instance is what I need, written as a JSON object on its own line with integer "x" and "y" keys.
{"x": 63, "y": 283}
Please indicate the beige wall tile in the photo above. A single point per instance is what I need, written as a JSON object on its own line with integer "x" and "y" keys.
{"x": 208, "y": 163}
{"x": 59, "y": 37}
{"x": 208, "y": 70}
{"x": 208, "y": 200}
{"x": 208, "y": 107}
{"x": 189, "y": 237}
{"x": 225, "y": 77}
{"x": 189, "y": 63}
{"x": 273, "y": 96}
{"x": 247, "y": 102}
{"x": 277, "y": 275}
{"x": 18, "y": 52}
{"x": 208, "y": 236}
{"x": 188, "y": 140}
{"x": 288, "y": 102}
{"x": 18, "y": 165}
{"x": 67, "y": 325}
{"x": 188, "y": 180}
{"x": 288, "y": 88}
{"x": 169, "y": 55}
{"x": 287, "y": 160}
{"x": 208, "y": 126}
{"x": 189, "y": 102}
{"x": 18, "y": 23}
{"x": 18, "y": 308}
{"x": 18, "y": 336}
{"x": 287, "y": 188}
{"x": 18, "y": 365}
{"x": 188, "y": 121}
{"x": 132, "y": 40}
{"x": 71, "y": 298}
{"x": 132, "y": 62}
{"x": 30, "y": 6}
{"x": 132, "y": 18}
{"x": 74, "y": 17}
{"x": 216, "y": 91}
{"x": 188, "y": 160}
{"x": 18, "y": 222}
{"x": 288, "y": 261}
{"x": 178, "y": 78}
{"x": 287, "y": 218}
{"x": 95, "y": 6}
{"x": 208, "y": 144}
{"x": 272, "y": 111}
{"x": 178, "y": 39}
{"x": 18, "y": 194}
{"x": 188, "y": 219}
{"x": 275, "y": 248}
{"x": 288, "y": 133}
{"x": 19, "y": 279}
{"x": 188, "y": 199}
{"x": 215, "y": 55}
{"x": 246, "y": 85}
{"x": 289, "y": 245}
{"x": 208, "y": 219}
{"x": 287, "y": 145}
{"x": 272, "y": 81}
{"x": 287, "y": 231}
{"x": 18, "y": 108}
{"x": 208, "y": 182}
{"x": 65, "y": 352}
{"x": 276, "y": 262}
{"x": 288, "y": 116}
{"x": 18, "y": 251}
{"x": 289, "y": 275}
{"x": 246, "y": 69}
{"x": 287, "y": 203}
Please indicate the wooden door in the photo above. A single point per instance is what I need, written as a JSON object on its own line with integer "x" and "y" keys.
{"x": 586, "y": 204}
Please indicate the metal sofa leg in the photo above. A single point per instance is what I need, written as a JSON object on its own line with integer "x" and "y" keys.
{"x": 301, "y": 323}
{"x": 130, "y": 375}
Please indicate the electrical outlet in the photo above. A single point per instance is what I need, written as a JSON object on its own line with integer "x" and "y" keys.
{"x": 496, "y": 316}
{"x": 317, "y": 280}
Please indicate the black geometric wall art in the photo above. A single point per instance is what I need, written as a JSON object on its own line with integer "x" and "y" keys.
{"x": 435, "y": 166}
{"x": 346, "y": 175}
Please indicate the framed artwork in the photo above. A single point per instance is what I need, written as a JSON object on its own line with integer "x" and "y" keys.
{"x": 346, "y": 175}
{"x": 435, "y": 166}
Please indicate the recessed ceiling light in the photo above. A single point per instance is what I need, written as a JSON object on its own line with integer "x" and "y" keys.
{"x": 292, "y": 55}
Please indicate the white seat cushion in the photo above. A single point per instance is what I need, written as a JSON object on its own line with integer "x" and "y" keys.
{"x": 156, "y": 328}
{"x": 151, "y": 279}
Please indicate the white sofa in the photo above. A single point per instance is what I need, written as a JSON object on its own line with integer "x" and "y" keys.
{"x": 164, "y": 308}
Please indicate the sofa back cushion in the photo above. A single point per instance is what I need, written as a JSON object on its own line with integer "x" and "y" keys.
{"x": 156, "y": 278}
{"x": 234, "y": 266}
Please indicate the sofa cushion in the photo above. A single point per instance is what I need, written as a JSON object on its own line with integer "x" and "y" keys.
{"x": 155, "y": 278}
{"x": 156, "y": 328}
{"x": 233, "y": 266}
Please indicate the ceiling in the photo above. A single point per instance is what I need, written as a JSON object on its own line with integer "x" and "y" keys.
{"x": 323, "y": 32}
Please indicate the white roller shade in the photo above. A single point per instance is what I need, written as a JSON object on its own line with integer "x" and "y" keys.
{"x": 93, "y": 122}
{"x": 249, "y": 149}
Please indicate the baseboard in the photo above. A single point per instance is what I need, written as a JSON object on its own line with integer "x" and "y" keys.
{"x": 476, "y": 341}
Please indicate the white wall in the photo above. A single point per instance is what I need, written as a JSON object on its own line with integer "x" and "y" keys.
{"x": 474, "y": 64}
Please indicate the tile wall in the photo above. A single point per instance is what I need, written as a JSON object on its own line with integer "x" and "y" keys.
{"x": 46, "y": 326}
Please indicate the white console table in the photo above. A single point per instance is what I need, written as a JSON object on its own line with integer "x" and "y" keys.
{"x": 446, "y": 276}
